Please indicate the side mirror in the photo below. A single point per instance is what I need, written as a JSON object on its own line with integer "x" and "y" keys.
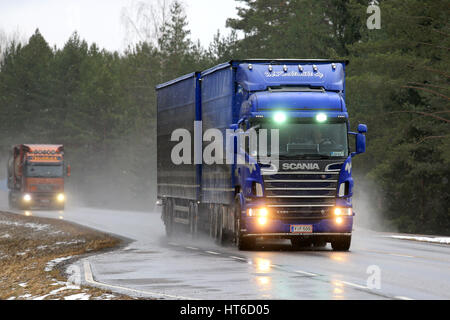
{"x": 360, "y": 143}
{"x": 68, "y": 170}
{"x": 360, "y": 140}
{"x": 362, "y": 128}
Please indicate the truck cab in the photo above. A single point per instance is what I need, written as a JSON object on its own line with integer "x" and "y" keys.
{"x": 306, "y": 195}
{"x": 36, "y": 176}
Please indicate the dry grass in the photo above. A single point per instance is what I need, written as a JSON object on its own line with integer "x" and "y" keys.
{"x": 28, "y": 244}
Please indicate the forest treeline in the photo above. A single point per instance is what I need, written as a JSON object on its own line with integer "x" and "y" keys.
{"x": 102, "y": 106}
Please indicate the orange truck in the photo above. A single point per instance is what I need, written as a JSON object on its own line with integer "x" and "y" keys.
{"x": 36, "y": 176}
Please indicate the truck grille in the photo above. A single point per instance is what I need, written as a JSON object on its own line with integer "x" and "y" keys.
{"x": 301, "y": 194}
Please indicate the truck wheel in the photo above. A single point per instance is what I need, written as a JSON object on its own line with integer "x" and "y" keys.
{"x": 341, "y": 243}
{"x": 168, "y": 219}
{"x": 242, "y": 242}
{"x": 193, "y": 219}
{"x": 220, "y": 236}
{"x": 212, "y": 222}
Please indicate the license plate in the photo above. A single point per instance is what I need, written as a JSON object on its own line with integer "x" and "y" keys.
{"x": 301, "y": 228}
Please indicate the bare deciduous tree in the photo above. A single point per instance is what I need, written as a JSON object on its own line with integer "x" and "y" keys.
{"x": 143, "y": 20}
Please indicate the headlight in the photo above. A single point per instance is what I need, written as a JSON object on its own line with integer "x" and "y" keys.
{"x": 343, "y": 211}
{"x": 60, "y": 197}
{"x": 26, "y": 197}
{"x": 257, "y": 212}
{"x": 262, "y": 220}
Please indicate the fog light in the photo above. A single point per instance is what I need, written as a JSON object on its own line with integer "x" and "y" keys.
{"x": 60, "y": 197}
{"x": 27, "y": 198}
{"x": 338, "y": 220}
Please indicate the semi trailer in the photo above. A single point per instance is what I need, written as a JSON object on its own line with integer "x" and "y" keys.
{"x": 258, "y": 149}
{"x": 36, "y": 176}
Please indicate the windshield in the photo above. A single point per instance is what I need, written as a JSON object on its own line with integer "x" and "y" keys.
{"x": 44, "y": 171}
{"x": 308, "y": 140}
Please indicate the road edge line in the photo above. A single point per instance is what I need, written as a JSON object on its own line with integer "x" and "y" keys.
{"x": 90, "y": 279}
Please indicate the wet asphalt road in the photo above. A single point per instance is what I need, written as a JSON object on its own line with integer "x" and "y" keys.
{"x": 154, "y": 266}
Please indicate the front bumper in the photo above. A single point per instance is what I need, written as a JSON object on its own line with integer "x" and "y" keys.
{"x": 277, "y": 228}
{"x": 43, "y": 200}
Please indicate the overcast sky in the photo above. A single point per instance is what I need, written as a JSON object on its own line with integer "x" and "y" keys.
{"x": 100, "y": 20}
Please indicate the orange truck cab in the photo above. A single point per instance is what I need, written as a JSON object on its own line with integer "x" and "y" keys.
{"x": 36, "y": 176}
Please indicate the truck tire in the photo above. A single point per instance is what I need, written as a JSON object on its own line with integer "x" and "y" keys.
{"x": 212, "y": 221}
{"x": 168, "y": 217}
{"x": 341, "y": 243}
{"x": 241, "y": 242}
{"x": 193, "y": 215}
{"x": 220, "y": 235}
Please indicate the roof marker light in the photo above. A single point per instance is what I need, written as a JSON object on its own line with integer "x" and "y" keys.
{"x": 300, "y": 68}
{"x": 279, "y": 117}
{"x": 321, "y": 117}
{"x": 314, "y": 67}
{"x": 333, "y": 65}
{"x": 270, "y": 68}
{"x": 285, "y": 68}
{"x": 250, "y": 66}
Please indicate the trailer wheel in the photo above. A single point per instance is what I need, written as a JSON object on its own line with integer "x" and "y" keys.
{"x": 341, "y": 243}
{"x": 212, "y": 221}
{"x": 168, "y": 217}
{"x": 220, "y": 236}
{"x": 193, "y": 216}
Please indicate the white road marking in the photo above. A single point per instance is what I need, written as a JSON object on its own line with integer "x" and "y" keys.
{"x": 403, "y": 298}
{"x": 354, "y": 285}
{"x": 192, "y": 248}
{"x": 212, "y": 252}
{"x": 90, "y": 279}
{"x": 401, "y": 255}
{"x": 239, "y": 258}
{"x": 306, "y": 273}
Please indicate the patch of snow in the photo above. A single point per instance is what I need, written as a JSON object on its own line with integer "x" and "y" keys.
{"x": 23, "y": 284}
{"x": 34, "y": 226}
{"x": 445, "y": 240}
{"x": 5, "y": 236}
{"x": 53, "y": 292}
{"x": 68, "y": 242}
{"x": 54, "y": 262}
{"x": 25, "y": 296}
{"x": 105, "y": 296}
{"x": 78, "y": 296}
{"x": 41, "y": 247}
{"x": 11, "y": 298}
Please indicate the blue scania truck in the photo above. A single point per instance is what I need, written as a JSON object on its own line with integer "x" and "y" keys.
{"x": 304, "y": 196}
